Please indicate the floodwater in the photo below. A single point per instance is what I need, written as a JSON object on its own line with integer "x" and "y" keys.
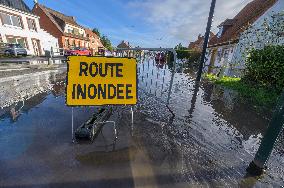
{"x": 208, "y": 143}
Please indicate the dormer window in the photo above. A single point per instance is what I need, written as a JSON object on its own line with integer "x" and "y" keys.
{"x": 221, "y": 29}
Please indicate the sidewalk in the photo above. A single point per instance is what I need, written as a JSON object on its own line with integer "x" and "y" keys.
{"x": 15, "y": 69}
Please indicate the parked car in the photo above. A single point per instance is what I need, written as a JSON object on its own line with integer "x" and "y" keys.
{"x": 14, "y": 49}
{"x": 78, "y": 51}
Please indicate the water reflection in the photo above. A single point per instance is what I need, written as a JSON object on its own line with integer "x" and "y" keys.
{"x": 209, "y": 142}
{"x": 31, "y": 92}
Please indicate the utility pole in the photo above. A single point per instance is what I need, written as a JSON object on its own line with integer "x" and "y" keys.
{"x": 206, "y": 39}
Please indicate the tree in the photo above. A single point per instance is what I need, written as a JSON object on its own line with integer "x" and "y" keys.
{"x": 104, "y": 39}
{"x": 106, "y": 42}
{"x": 96, "y": 30}
{"x": 180, "y": 47}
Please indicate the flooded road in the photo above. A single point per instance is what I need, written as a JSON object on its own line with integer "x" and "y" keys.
{"x": 208, "y": 143}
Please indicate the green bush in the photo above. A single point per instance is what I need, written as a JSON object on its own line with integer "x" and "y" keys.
{"x": 191, "y": 56}
{"x": 265, "y": 67}
{"x": 261, "y": 97}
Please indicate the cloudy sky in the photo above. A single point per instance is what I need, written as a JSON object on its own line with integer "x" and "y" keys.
{"x": 147, "y": 23}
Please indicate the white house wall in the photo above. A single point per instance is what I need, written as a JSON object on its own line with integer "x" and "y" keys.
{"x": 46, "y": 40}
{"x": 251, "y": 38}
{"x": 71, "y": 27}
{"x": 256, "y": 36}
{"x": 221, "y": 61}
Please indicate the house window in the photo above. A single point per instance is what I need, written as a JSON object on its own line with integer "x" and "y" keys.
{"x": 76, "y": 31}
{"x": 17, "y": 40}
{"x": 226, "y": 53}
{"x": 69, "y": 31}
{"x": 31, "y": 24}
{"x": 219, "y": 34}
{"x": 12, "y": 20}
{"x": 219, "y": 54}
{"x": 66, "y": 42}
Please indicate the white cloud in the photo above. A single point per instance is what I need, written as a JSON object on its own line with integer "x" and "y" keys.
{"x": 182, "y": 20}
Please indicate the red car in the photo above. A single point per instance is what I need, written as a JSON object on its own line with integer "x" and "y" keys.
{"x": 78, "y": 51}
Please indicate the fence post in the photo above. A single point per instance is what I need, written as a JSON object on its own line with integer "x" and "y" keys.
{"x": 50, "y": 56}
{"x": 257, "y": 166}
{"x": 15, "y": 52}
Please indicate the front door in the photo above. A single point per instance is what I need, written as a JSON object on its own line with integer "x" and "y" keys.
{"x": 36, "y": 46}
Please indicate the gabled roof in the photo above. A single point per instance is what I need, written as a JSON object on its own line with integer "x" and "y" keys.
{"x": 228, "y": 22}
{"x": 91, "y": 33}
{"x": 199, "y": 41}
{"x": 16, "y": 4}
{"x": 124, "y": 44}
{"x": 58, "y": 18}
{"x": 248, "y": 15}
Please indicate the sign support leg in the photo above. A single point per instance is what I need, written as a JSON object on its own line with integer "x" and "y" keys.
{"x": 132, "y": 120}
{"x": 72, "y": 125}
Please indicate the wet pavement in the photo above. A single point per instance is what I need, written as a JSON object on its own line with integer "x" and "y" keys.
{"x": 208, "y": 143}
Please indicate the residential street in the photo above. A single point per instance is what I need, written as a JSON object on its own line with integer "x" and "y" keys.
{"x": 210, "y": 143}
{"x": 142, "y": 94}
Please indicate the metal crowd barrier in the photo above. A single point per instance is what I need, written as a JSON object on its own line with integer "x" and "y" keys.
{"x": 155, "y": 76}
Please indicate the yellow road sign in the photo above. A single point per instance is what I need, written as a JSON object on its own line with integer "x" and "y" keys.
{"x": 93, "y": 81}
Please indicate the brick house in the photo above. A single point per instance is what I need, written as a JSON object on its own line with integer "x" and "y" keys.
{"x": 124, "y": 44}
{"x": 222, "y": 50}
{"x": 65, "y": 28}
{"x": 198, "y": 44}
{"x": 19, "y": 25}
{"x": 95, "y": 41}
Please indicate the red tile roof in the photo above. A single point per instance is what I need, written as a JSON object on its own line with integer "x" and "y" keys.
{"x": 91, "y": 33}
{"x": 198, "y": 44}
{"x": 248, "y": 15}
{"x": 124, "y": 44}
{"x": 58, "y": 18}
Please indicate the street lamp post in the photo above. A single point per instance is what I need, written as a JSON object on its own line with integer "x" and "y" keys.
{"x": 206, "y": 39}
